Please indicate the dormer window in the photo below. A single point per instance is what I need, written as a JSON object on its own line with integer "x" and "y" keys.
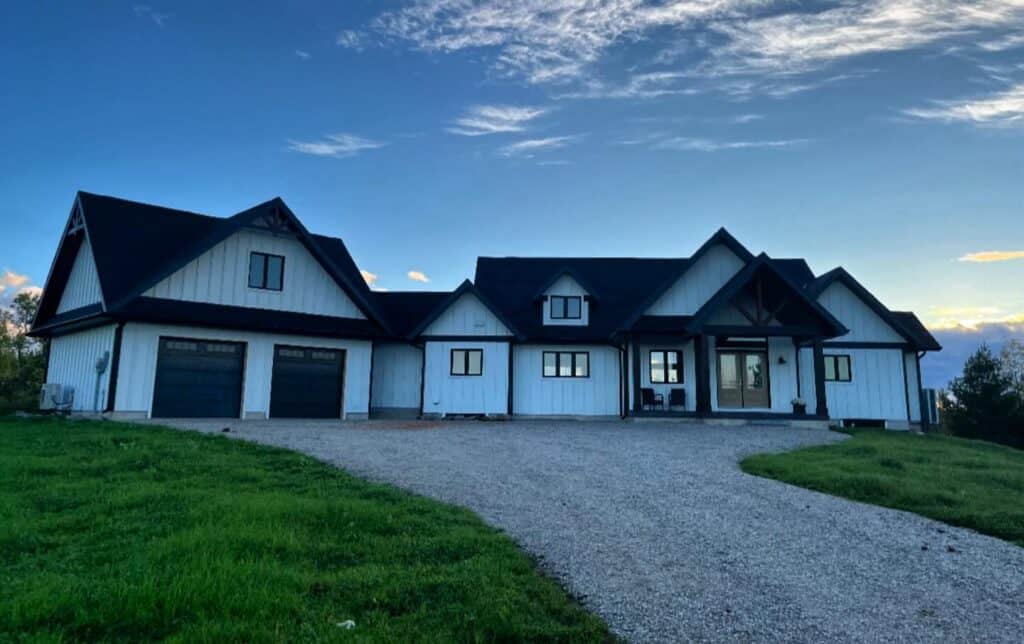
{"x": 566, "y": 307}
{"x": 266, "y": 271}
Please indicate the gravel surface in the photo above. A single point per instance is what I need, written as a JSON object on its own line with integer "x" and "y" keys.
{"x": 654, "y": 527}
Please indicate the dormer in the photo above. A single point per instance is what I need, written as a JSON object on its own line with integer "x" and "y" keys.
{"x": 565, "y": 300}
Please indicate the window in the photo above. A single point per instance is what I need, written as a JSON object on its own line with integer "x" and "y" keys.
{"x": 266, "y": 271}
{"x": 666, "y": 367}
{"x": 467, "y": 362}
{"x": 566, "y": 307}
{"x": 837, "y": 369}
{"x": 566, "y": 364}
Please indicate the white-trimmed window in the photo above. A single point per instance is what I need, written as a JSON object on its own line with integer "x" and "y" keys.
{"x": 838, "y": 368}
{"x": 566, "y": 307}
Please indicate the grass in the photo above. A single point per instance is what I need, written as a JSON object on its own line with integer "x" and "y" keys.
{"x": 118, "y": 532}
{"x": 972, "y": 484}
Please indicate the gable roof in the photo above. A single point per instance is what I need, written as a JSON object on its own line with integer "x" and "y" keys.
{"x": 911, "y": 329}
{"x": 405, "y": 310}
{"x": 572, "y": 273}
{"x": 621, "y": 283}
{"x": 465, "y": 288}
{"x": 733, "y": 287}
{"x": 135, "y": 245}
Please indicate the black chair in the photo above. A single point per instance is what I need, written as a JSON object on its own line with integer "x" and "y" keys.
{"x": 677, "y": 398}
{"x": 650, "y": 399}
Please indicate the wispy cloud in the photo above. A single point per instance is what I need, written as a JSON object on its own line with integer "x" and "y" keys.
{"x": 368, "y": 277}
{"x": 480, "y": 120}
{"x": 11, "y": 284}
{"x": 1002, "y": 110}
{"x": 146, "y": 11}
{"x": 417, "y": 276}
{"x": 992, "y": 256}
{"x": 971, "y": 317}
{"x": 528, "y": 147}
{"x": 304, "y": 55}
{"x": 689, "y": 144}
{"x": 338, "y": 146}
{"x": 745, "y": 118}
{"x": 1009, "y": 41}
{"x": 350, "y": 39}
{"x": 639, "y": 86}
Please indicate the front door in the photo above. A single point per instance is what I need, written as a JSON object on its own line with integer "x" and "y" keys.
{"x": 743, "y": 379}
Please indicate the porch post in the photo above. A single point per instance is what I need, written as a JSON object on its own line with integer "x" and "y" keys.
{"x": 703, "y": 371}
{"x": 637, "y": 402}
{"x": 819, "y": 378}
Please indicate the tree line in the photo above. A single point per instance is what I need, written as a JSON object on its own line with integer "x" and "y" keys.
{"x": 987, "y": 400}
{"x": 22, "y": 359}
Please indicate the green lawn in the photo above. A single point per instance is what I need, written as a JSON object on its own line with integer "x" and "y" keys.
{"x": 118, "y": 532}
{"x": 965, "y": 483}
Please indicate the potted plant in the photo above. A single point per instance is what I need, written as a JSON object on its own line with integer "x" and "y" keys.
{"x": 799, "y": 406}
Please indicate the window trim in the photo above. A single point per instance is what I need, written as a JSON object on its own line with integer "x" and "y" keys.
{"x": 465, "y": 362}
{"x": 834, "y": 358}
{"x": 681, "y": 378}
{"x": 266, "y": 262}
{"x": 558, "y": 364}
{"x": 564, "y": 299}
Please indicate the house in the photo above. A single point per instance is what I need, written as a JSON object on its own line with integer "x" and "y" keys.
{"x": 155, "y": 312}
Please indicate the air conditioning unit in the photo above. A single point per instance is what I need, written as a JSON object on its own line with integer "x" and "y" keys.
{"x": 56, "y": 397}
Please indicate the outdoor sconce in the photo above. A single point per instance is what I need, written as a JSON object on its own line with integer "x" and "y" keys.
{"x": 782, "y": 359}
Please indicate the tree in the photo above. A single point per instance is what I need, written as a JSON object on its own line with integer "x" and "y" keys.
{"x": 1012, "y": 360}
{"x": 22, "y": 360}
{"x": 984, "y": 402}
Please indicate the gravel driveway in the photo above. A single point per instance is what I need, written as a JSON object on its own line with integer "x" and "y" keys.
{"x": 654, "y": 527}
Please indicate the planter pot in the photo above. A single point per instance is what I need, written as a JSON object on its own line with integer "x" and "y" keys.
{"x": 799, "y": 410}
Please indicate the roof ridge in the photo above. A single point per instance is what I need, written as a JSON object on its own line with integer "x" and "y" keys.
{"x": 150, "y": 205}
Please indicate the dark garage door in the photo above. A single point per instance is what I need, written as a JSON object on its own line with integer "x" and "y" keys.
{"x": 198, "y": 379}
{"x": 307, "y": 382}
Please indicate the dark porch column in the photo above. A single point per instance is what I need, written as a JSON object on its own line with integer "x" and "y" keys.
{"x": 703, "y": 371}
{"x": 636, "y": 375}
{"x": 819, "y": 378}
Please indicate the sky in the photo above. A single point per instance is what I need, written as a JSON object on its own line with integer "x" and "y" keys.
{"x": 883, "y": 136}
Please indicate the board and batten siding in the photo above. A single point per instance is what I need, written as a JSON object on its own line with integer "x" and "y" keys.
{"x": 73, "y": 360}
{"x": 444, "y": 393}
{"x": 397, "y": 373}
{"x": 467, "y": 316}
{"x": 83, "y": 285}
{"x": 566, "y": 285}
{"x": 140, "y": 343}
{"x": 700, "y": 281}
{"x": 221, "y": 276}
{"x": 913, "y": 391}
{"x": 864, "y": 324}
{"x": 597, "y": 395}
{"x": 875, "y": 390}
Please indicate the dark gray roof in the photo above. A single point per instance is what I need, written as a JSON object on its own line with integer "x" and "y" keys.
{"x": 923, "y": 339}
{"x": 405, "y": 310}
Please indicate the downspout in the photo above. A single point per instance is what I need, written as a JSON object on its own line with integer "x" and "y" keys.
{"x": 926, "y": 418}
{"x": 115, "y": 365}
{"x": 369, "y": 400}
{"x": 511, "y": 376}
{"x": 623, "y": 400}
{"x": 423, "y": 373}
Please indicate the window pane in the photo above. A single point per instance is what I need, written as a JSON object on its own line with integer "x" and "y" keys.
{"x": 557, "y": 307}
{"x": 755, "y": 371}
{"x": 673, "y": 366}
{"x": 256, "y": 270}
{"x": 572, "y": 307}
{"x": 565, "y": 364}
{"x": 275, "y": 272}
{"x": 582, "y": 365}
{"x": 550, "y": 364}
{"x": 458, "y": 362}
{"x": 657, "y": 366}
{"x": 843, "y": 365}
{"x": 830, "y": 368}
{"x": 728, "y": 377}
{"x": 476, "y": 363}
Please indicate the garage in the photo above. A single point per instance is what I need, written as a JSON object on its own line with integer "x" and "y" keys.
{"x": 198, "y": 379}
{"x": 307, "y": 382}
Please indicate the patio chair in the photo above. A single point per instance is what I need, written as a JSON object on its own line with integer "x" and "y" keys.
{"x": 650, "y": 399}
{"x": 677, "y": 398}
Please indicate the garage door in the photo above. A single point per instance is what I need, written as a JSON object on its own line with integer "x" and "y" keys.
{"x": 198, "y": 379}
{"x": 307, "y": 382}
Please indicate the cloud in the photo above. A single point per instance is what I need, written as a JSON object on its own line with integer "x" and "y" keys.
{"x": 146, "y": 11}
{"x": 338, "y": 146}
{"x": 527, "y": 147}
{"x": 370, "y": 278}
{"x": 11, "y": 284}
{"x": 969, "y": 318}
{"x": 1009, "y": 41}
{"x": 639, "y": 86}
{"x": 745, "y": 118}
{"x": 350, "y": 39}
{"x": 480, "y": 120}
{"x": 417, "y": 276}
{"x": 959, "y": 342}
{"x": 304, "y": 55}
{"x": 992, "y": 256}
{"x": 689, "y": 144}
{"x": 1004, "y": 109}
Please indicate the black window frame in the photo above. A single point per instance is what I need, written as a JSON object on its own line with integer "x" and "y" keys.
{"x": 465, "y": 362}
{"x": 564, "y": 300}
{"x": 834, "y": 358}
{"x": 266, "y": 264}
{"x": 680, "y": 378}
{"x": 558, "y": 364}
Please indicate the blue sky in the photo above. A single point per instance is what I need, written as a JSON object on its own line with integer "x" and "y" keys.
{"x": 884, "y": 136}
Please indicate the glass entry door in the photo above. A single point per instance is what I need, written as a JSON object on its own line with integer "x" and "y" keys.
{"x": 743, "y": 379}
